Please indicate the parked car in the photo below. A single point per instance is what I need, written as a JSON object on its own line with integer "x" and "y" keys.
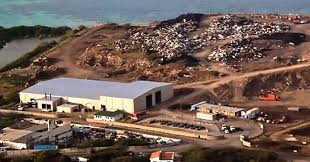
{"x": 232, "y": 129}
{"x": 20, "y": 108}
{"x": 226, "y": 131}
{"x": 224, "y": 127}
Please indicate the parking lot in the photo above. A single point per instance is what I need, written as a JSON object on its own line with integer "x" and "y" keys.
{"x": 89, "y": 134}
{"x": 181, "y": 125}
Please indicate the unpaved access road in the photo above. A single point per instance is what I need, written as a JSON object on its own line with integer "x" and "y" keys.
{"x": 211, "y": 84}
{"x": 66, "y": 55}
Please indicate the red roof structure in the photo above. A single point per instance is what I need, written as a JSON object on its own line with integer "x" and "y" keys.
{"x": 162, "y": 155}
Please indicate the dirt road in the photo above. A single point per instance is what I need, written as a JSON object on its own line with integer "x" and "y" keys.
{"x": 277, "y": 135}
{"x": 211, "y": 84}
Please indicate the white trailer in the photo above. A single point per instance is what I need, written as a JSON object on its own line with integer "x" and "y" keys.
{"x": 250, "y": 114}
{"x": 206, "y": 116}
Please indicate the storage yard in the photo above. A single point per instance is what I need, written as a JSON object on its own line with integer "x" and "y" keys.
{"x": 200, "y": 80}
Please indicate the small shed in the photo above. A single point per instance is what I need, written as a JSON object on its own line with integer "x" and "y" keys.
{"x": 48, "y": 103}
{"x": 109, "y": 115}
{"x": 67, "y": 108}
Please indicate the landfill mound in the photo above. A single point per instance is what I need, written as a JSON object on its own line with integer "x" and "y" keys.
{"x": 297, "y": 80}
{"x": 279, "y": 82}
{"x": 254, "y": 48}
{"x": 293, "y": 38}
{"x": 175, "y": 39}
{"x": 166, "y": 42}
{"x": 236, "y": 27}
{"x": 240, "y": 50}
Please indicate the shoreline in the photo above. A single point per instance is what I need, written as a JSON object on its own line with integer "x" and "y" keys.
{"x": 95, "y": 23}
{"x": 287, "y": 17}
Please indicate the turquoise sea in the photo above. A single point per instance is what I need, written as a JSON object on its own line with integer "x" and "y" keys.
{"x": 76, "y": 12}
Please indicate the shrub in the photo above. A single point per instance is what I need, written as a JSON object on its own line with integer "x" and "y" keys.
{"x": 103, "y": 143}
{"x": 44, "y": 156}
{"x": 133, "y": 142}
{"x": 130, "y": 159}
{"x": 64, "y": 158}
{"x": 82, "y": 27}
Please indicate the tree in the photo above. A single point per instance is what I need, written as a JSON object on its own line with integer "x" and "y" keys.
{"x": 64, "y": 158}
{"x": 44, "y": 156}
{"x": 103, "y": 142}
{"x": 130, "y": 159}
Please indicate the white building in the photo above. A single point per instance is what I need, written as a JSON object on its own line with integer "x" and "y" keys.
{"x": 67, "y": 108}
{"x": 161, "y": 156}
{"x": 98, "y": 95}
{"x": 250, "y": 114}
{"x": 109, "y": 116}
{"x": 24, "y": 138}
{"x": 206, "y": 116}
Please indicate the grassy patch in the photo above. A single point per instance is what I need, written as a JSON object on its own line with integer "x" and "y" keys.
{"x": 10, "y": 86}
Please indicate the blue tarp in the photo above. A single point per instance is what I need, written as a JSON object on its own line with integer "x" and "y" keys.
{"x": 45, "y": 147}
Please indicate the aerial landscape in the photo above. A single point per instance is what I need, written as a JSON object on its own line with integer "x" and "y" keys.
{"x": 154, "y": 81}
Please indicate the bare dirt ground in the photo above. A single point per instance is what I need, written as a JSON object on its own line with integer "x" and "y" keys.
{"x": 92, "y": 55}
{"x": 65, "y": 55}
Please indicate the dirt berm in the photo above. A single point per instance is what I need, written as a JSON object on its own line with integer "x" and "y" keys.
{"x": 255, "y": 86}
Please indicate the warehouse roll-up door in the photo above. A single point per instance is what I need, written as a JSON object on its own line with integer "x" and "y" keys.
{"x": 158, "y": 97}
{"x": 149, "y": 101}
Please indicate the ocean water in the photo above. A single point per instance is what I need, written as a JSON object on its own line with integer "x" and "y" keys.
{"x": 76, "y": 12}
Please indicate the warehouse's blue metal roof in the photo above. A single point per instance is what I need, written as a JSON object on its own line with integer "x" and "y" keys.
{"x": 92, "y": 89}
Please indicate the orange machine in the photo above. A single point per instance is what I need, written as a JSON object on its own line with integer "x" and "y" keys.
{"x": 269, "y": 97}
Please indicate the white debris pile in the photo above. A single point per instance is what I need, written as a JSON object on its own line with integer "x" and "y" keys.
{"x": 239, "y": 50}
{"x": 169, "y": 42}
{"x": 234, "y": 27}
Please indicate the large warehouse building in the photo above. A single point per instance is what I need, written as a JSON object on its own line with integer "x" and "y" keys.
{"x": 97, "y": 95}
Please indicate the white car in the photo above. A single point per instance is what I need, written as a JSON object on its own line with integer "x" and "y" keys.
{"x": 232, "y": 128}
{"x": 226, "y": 131}
{"x": 224, "y": 127}
{"x": 20, "y": 108}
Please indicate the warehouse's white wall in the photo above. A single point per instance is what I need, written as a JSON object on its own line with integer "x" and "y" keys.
{"x": 114, "y": 104}
{"x": 166, "y": 93}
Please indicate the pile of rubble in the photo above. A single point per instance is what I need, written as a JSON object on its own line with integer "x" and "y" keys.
{"x": 234, "y": 27}
{"x": 239, "y": 50}
{"x": 169, "y": 42}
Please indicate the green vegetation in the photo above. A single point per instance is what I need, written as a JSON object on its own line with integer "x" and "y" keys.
{"x": 115, "y": 154}
{"x": 20, "y": 32}
{"x": 25, "y": 59}
{"x": 132, "y": 142}
{"x": 130, "y": 159}
{"x": 228, "y": 155}
{"x": 10, "y": 85}
{"x": 9, "y": 119}
{"x": 47, "y": 156}
{"x": 82, "y": 27}
{"x": 103, "y": 143}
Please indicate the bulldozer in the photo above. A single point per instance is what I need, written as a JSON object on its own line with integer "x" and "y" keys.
{"x": 269, "y": 97}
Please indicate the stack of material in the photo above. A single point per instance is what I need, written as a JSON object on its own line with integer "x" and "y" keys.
{"x": 169, "y": 42}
